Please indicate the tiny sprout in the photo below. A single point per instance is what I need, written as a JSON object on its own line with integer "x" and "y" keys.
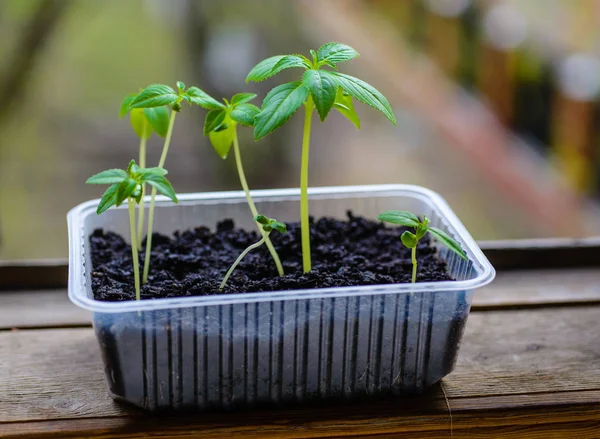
{"x": 322, "y": 88}
{"x": 268, "y": 225}
{"x": 127, "y": 185}
{"x": 411, "y": 240}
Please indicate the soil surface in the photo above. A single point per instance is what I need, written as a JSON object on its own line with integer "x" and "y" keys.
{"x": 354, "y": 252}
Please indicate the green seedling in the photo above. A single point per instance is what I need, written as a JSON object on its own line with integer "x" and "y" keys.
{"x": 127, "y": 185}
{"x": 144, "y": 122}
{"x": 268, "y": 225}
{"x": 221, "y": 128}
{"x": 322, "y": 88}
{"x": 411, "y": 240}
{"x": 158, "y": 95}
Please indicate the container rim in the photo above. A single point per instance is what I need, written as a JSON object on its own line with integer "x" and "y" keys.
{"x": 486, "y": 272}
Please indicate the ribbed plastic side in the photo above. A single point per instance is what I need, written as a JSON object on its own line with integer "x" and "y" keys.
{"x": 272, "y": 352}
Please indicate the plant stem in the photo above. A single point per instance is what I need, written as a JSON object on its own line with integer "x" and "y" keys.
{"x": 239, "y": 259}
{"x": 304, "y": 224}
{"x": 161, "y": 163}
{"x": 242, "y": 175}
{"x": 414, "y": 264}
{"x": 141, "y": 210}
{"x": 134, "y": 249}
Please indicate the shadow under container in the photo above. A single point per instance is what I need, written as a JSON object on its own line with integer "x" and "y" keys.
{"x": 242, "y": 350}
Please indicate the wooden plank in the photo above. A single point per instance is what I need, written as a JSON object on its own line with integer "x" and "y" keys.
{"x": 538, "y": 366}
{"x": 511, "y": 289}
{"x": 23, "y": 275}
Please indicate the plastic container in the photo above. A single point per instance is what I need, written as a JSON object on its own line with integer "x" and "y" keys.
{"x": 224, "y": 351}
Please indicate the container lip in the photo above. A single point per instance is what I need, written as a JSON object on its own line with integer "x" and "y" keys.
{"x": 76, "y": 262}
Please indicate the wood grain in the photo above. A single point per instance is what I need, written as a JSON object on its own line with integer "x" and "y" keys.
{"x": 535, "y": 373}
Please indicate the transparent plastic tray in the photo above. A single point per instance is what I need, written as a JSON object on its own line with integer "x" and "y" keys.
{"x": 223, "y": 351}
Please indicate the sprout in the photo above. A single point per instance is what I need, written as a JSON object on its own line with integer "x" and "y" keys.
{"x": 410, "y": 240}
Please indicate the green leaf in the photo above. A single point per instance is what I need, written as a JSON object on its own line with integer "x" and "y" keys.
{"x": 290, "y": 61}
{"x": 162, "y": 185}
{"x": 222, "y": 140}
{"x": 323, "y": 90}
{"x": 261, "y": 219}
{"x": 344, "y": 105}
{"x": 448, "y": 242}
{"x": 278, "y": 107}
{"x": 399, "y": 217}
{"x": 109, "y": 176}
{"x": 155, "y": 95}
{"x": 241, "y": 98}
{"x": 180, "y": 86}
{"x": 409, "y": 239}
{"x": 365, "y": 93}
{"x": 279, "y": 226}
{"x": 262, "y": 70}
{"x": 133, "y": 169}
{"x": 109, "y": 199}
{"x": 158, "y": 118}
{"x": 139, "y": 123}
{"x": 125, "y": 190}
{"x": 144, "y": 173}
{"x": 421, "y": 230}
{"x": 214, "y": 119}
{"x": 336, "y": 53}
{"x": 125, "y": 104}
{"x": 244, "y": 114}
{"x": 202, "y": 99}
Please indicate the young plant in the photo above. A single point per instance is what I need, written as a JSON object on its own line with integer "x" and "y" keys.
{"x": 268, "y": 225}
{"x": 221, "y": 128}
{"x": 158, "y": 95}
{"x": 320, "y": 89}
{"x": 127, "y": 185}
{"x": 411, "y": 240}
{"x": 144, "y": 122}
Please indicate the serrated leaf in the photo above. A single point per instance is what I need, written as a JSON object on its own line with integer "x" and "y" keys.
{"x": 262, "y": 70}
{"x": 125, "y": 190}
{"x": 242, "y": 98}
{"x": 214, "y": 118}
{"x": 244, "y": 114}
{"x": 202, "y": 99}
{"x": 323, "y": 90}
{"x": 328, "y": 63}
{"x": 125, "y": 104}
{"x": 222, "y": 141}
{"x": 278, "y": 107}
{"x": 344, "y": 105}
{"x": 109, "y": 176}
{"x": 409, "y": 239}
{"x": 448, "y": 242}
{"x": 365, "y": 93}
{"x": 290, "y": 61}
{"x": 336, "y": 52}
{"x": 133, "y": 169}
{"x": 399, "y": 217}
{"x": 139, "y": 123}
{"x": 155, "y": 95}
{"x": 144, "y": 173}
{"x": 163, "y": 186}
{"x": 158, "y": 119}
{"x": 109, "y": 199}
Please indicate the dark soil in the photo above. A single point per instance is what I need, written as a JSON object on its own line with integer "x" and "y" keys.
{"x": 192, "y": 263}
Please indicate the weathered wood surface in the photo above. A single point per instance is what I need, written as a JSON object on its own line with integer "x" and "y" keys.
{"x": 520, "y": 374}
{"x": 511, "y": 289}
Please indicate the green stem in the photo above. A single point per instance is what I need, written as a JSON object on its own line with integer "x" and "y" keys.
{"x": 134, "y": 248}
{"x": 141, "y": 210}
{"x": 161, "y": 163}
{"x": 304, "y": 224}
{"x": 242, "y": 175}
{"x": 239, "y": 259}
{"x": 414, "y": 263}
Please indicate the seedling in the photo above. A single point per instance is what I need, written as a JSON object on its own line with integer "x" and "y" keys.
{"x": 319, "y": 89}
{"x": 158, "y": 95}
{"x": 127, "y": 185}
{"x": 221, "y": 128}
{"x": 144, "y": 122}
{"x": 268, "y": 225}
{"x": 411, "y": 240}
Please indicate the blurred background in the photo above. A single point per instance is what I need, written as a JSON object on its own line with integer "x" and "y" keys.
{"x": 497, "y": 103}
